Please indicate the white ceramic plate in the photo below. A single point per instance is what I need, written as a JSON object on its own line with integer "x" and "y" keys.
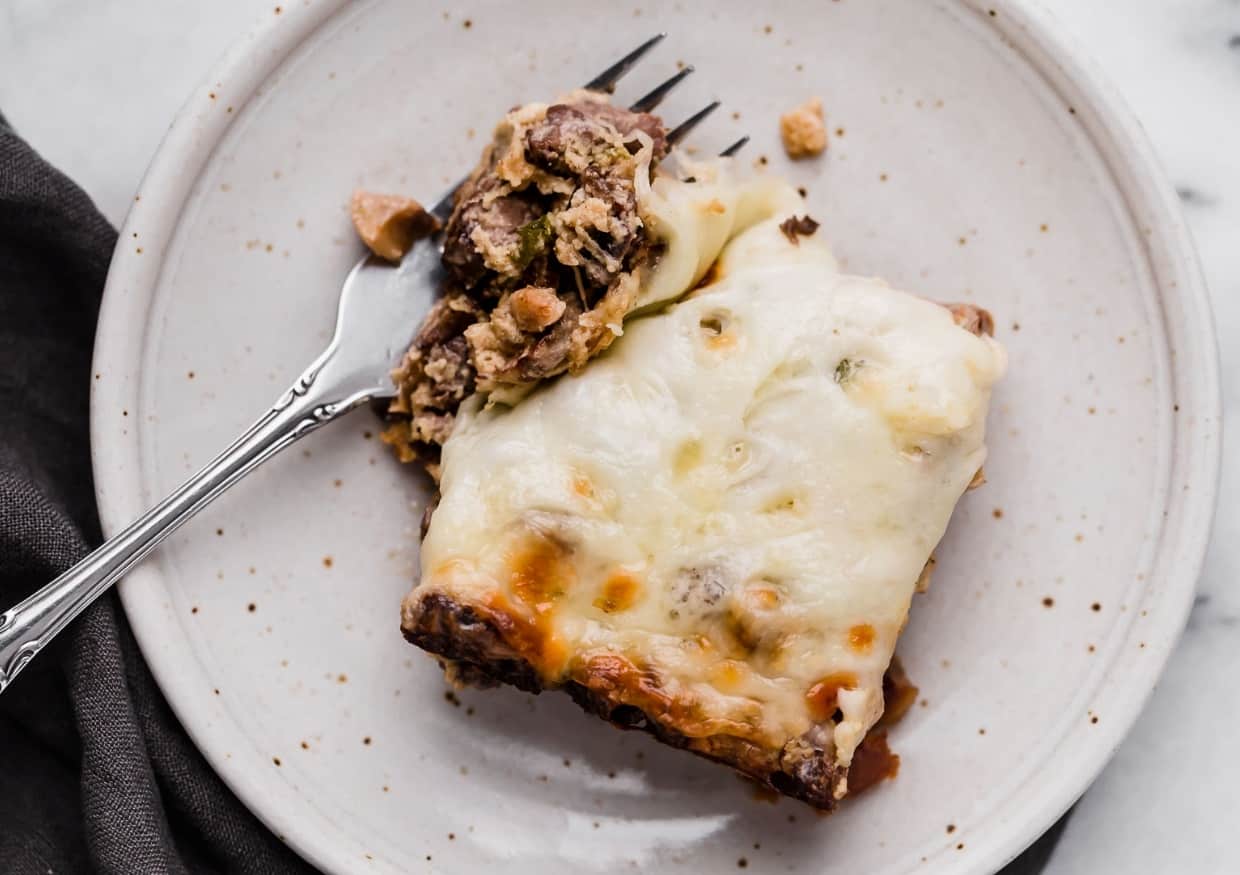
{"x": 976, "y": 158}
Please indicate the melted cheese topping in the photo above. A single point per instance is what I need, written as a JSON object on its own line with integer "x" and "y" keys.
{"x": 738, "y": 498}
{"x": 695, "y": 219}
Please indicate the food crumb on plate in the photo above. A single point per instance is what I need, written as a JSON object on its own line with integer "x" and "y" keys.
{"x": 803, "y": 130}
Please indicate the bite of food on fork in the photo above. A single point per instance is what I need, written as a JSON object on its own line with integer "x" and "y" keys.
{"x": 384, "y": 298}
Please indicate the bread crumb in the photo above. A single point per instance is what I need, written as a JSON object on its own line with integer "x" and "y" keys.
{"x": 803, "y": 130}
{"x": 388, "y": 224}
{"x": 535, "y": 308}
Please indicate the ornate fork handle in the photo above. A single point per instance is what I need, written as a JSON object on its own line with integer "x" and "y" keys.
{"x": 311, "y": 402}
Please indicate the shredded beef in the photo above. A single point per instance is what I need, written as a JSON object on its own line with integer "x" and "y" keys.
{"x": 541, "y": 255}
{"x": 795, "y": 227}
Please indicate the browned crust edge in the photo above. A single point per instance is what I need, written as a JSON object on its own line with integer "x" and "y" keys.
{"x": 473, "y": 651}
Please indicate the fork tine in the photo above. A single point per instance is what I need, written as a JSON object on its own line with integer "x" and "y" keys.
{"x": 735, "y": 147}
{"x": 655, "y": 97}
{"x": 682, "y": 130}
{"x": 443, "y": 207}
{"x": 606, "y": 81}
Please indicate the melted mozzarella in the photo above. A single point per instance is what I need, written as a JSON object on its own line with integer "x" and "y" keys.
{"x": 694, "y": 220}
{"x": 738, "y": 497}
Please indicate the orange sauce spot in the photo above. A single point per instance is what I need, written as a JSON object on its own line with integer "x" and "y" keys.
{"x": 861, "y": 638}
{"x": 554, "y": 656}
{"x": 716, "y": 206}
{"x": 821, "y": 698}
{"x": 721, "y": 342}
{"x": 620, "y": 592}
{"x": 531, "y": 636}
{"x": 539, "y": 573}
{"x": 727, "y": 675}
{"x": 582, "y": 486}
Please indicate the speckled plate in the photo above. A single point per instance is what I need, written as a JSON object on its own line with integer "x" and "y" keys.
{"x": 974, "y": 156}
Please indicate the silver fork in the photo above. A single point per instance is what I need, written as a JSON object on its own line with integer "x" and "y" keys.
{"x": 381, "y": 306}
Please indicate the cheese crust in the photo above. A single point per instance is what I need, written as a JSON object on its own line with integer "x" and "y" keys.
{"x": 719, "y": 525}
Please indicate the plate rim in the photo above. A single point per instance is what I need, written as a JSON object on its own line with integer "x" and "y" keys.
{"x": 163, "y": 193}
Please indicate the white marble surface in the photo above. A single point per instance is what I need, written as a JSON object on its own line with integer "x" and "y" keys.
{"x": 94, "y": 85}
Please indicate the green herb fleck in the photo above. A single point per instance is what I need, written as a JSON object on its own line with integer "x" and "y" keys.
{"x": 532, "y": 240}
{"x": 845, "y": 370}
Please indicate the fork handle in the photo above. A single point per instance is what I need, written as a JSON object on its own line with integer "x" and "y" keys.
{"x": 27, "y": 628}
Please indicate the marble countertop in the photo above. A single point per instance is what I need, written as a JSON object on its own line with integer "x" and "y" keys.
{"x": 94, "y": 85}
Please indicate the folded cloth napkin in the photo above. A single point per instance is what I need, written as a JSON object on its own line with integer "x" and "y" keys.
{"x": 96, "y": 774}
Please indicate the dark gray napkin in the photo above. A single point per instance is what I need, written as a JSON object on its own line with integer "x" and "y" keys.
{"x": 96, "y": 774}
